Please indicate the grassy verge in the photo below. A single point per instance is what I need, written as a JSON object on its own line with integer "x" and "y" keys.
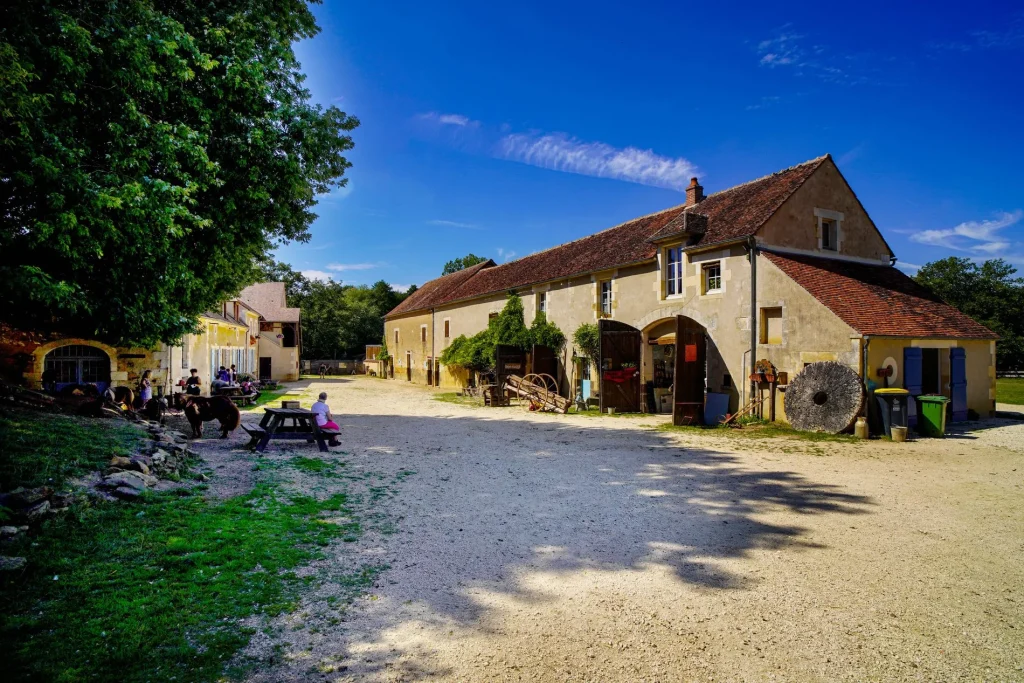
{"x": 1010, "y": 390}
{"x": 458, "y": 399}
{"x": 264, "y": 398}
{"x": 40, "y": 448}
{"x": 154, "y": 592}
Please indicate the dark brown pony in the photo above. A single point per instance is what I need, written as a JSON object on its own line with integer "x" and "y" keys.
{"x": 199, "y": 409}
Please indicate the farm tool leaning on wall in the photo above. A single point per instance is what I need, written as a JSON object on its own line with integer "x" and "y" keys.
{"x": 537, "y": 392}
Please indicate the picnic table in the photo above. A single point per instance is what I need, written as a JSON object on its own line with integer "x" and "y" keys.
{"x": 234, "y": 392}
{"x": 303, "y": 426}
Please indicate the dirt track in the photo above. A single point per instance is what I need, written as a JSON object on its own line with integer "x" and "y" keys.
{"x": 536, "y": 547}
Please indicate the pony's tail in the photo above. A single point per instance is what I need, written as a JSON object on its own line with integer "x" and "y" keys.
{"x": 232, "y": 419}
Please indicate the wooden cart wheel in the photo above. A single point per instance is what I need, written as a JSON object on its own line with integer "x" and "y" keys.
{"x": 539, "y": 382}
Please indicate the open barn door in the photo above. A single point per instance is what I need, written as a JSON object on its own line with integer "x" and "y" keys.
{"x": 690, "y": 373}
{"x": 545, "y": 362}
{"x": 621, "y": 355}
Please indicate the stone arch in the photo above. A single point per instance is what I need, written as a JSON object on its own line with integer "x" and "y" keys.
{"x": 35, "y": 376}
{"x": 659, "y": 314}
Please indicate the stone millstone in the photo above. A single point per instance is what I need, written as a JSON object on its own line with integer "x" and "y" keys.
{"x": 824, "y": 397}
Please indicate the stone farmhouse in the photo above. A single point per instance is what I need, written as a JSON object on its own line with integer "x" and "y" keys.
{"x": 255, "y": 332}
{"x": 788, "y": 268}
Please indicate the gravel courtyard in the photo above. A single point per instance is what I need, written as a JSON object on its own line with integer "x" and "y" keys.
{"x": 540, "y": 547}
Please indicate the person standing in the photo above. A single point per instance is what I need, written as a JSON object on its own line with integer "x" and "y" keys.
{"x": 145, "y": 389}
{"x": 324, "y": 419}
{"x": 233, "y": 375}
{"x": 323, "y": 371}
{"x": 193, "y": 383}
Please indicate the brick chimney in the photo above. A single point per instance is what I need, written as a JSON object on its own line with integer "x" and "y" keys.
{"x": 694, "y": 193}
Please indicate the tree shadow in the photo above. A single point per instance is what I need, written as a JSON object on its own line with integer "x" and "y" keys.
{"x": 496, "y": 498}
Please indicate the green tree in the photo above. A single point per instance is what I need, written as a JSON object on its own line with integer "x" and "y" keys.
{"x": 990, "y": 294}
{"x": 462, "y": 263}
{"x": 588, "y": 338}
{"x": 546, "y": 333}
{"x": 150, "y": 153}
{"x": 508, "y": 327}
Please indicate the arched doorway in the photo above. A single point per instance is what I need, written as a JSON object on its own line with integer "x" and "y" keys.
{"x": 677, "y": 357}
{"x": 76, "y": 364}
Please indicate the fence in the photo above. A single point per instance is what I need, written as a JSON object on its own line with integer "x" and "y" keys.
{"x": 334, "y": 367}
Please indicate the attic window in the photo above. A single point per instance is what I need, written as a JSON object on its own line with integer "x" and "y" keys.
{"x": 829, "y": 238}
{"x": 830, "y": 229}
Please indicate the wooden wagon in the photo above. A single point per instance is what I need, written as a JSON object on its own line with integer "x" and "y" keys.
{"x": 537, "y": 392}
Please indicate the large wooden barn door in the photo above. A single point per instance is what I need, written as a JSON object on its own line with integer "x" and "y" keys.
{"x": 690, "y": 373}
{"x": 621, "y": 356}
{"x": 544, "y": 361}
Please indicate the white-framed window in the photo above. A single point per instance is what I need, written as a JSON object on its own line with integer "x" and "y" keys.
{"x": 712, "y": 277}
{"x": 674, "y": 271}
{"x": 606, "y": 297}
{"x": 542, "y": 302}
{"x": 830, "y": 229}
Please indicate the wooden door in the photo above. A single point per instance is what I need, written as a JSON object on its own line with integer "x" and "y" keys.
{"x": 689, "y": 383}
{"x": 621, "y": 355}
{"x": 545, "y": 362}
{"x": 430, "y": 372}
{"x": 265, "y": 367}
{"x": 958, "y": 383}
{"x": 408, "y": 367}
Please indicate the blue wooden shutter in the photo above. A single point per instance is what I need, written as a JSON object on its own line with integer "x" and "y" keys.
{"x": 958, "y": 383}
{"x": 912, "y": 380}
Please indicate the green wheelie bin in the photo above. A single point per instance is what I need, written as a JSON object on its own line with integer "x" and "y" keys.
{"x": 931, "y": 419}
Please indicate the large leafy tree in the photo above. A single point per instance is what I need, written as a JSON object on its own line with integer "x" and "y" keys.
{"x": 461, "y": 263}
{"x": 151, "y": 151}
{"x": 990, "y": 293}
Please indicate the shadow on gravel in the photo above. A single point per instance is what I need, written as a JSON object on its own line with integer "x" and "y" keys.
{"x": 494, "y": 498}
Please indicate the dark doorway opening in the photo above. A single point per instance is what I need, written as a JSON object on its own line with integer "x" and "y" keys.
{"x": 930, "y": 372}
{"x": 265, "y": 366}
{"x": 76, "y": 364}
{"x": 430, "y": 372}
{"x": 408, "y": 366}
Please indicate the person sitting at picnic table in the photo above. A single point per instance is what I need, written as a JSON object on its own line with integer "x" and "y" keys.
{"x": 221, "y": 379}
{"x": 193, "y": 383}
{"x": 324, "y": 419}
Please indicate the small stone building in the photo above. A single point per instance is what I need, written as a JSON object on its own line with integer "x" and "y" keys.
{"x": 788, "y": 268}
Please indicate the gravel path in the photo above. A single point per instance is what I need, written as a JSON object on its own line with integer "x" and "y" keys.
{"x": 538, "y": 547}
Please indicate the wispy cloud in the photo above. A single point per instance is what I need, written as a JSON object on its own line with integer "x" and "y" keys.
{"x": 454, "y": 224}
{"x": 909, "y": 267}
{"x": 505, "y": 254}
{"x": 981, "y": 237}
{"x": 792, "y": 50}
{"x": 317, "y": 275}
{"x": 1008, "y": 37}
{"x": 448, "y": 119}
{"x": 337, "y": 193}
{"x": 561, "y": 152}
{"x": 399, "y": 288}
{"x": 353, "y": 266}
{"x": 764, "y": 103}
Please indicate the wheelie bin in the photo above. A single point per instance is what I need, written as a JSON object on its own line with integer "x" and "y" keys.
{"x": 892, "y": 403}
{"x": 931, "y": 420}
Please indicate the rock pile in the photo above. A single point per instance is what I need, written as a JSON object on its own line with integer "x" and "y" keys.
{"x": 28, "y": 506}
{"x": 165, "y": 456}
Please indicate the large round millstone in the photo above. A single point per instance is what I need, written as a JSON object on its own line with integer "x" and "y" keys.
{"x": 824, "y": 397}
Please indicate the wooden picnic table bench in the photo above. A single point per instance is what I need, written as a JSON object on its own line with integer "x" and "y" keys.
{"x": 303, "y": 427}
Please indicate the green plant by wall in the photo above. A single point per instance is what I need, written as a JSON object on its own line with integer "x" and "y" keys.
{"x": 544, "y": 333}
{"x": 588, "y": 339}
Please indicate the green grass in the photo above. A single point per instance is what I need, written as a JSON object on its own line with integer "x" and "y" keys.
{"x": 264, "y": 398}
{"x": 315, "y": 466}
{"x": 1010, "y": 390}
{"x": 154, "y": 591}
{"x": 761, "y": 430}
{"x": 41, "y": 448}
{"x": 458, "y": 399}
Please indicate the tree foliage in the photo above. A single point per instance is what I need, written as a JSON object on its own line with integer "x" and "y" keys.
{"x": 477, "y": 353}
{"x": 990, "y": 294}
{"x": 150, "y": 153}
{"x": 462, "y": 263}
{"x": 338, "y": 320}
{"x": 588, "y": 338}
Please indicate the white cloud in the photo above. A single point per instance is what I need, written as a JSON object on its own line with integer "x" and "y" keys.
{"x": 977, "y": 236}
{"x": 911, "y": 267}
{"x": 317, "y": 275}
{"x": 453, "y": 224}
{"x": 448, "y": 119}
{"x": 336, "y": 194}
{"x": 506, "y": 255}
{"x": 560, "y": 152}
{"x": 353, "y": 266}
{"x": 399, "y": 288}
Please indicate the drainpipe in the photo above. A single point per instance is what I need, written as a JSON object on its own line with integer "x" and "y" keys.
{"x": 752, "y": 255}
{"x": 865, "y": 340}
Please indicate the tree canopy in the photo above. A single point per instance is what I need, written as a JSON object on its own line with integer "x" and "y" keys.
{"x": 462, "y": 263}
{"x": 588, "y": 338}
{"x": 990, "y": 294}
{"x": 151, "y": 152}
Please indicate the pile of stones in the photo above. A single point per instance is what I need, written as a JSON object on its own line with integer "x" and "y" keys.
{"x": 166, "y": 455}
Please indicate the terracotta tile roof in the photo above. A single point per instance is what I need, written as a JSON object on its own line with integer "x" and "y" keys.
{"x": 438, "y": 291}
{"x": 731, "y": 214}
{"x": 878, "y": 300}
{"x": 740, "y": 211}
{"x": 268, "y": 299}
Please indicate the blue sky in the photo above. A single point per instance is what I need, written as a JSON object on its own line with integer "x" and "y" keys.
{"x": 503, "y": 130}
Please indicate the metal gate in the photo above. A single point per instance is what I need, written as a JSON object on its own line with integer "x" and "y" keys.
{"x": 690, "y": 379}
{"x": 74, "y": 365}
{"x": 621, "y": 354}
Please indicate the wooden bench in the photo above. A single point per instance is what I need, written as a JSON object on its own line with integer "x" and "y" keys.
{"x": 243, "y": 399}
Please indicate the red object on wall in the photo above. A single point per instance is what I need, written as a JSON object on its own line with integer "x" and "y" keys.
{"x": 690, "y": 351}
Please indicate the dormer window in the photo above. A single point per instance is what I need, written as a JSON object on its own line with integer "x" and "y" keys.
{"x": 830, "y": 229}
